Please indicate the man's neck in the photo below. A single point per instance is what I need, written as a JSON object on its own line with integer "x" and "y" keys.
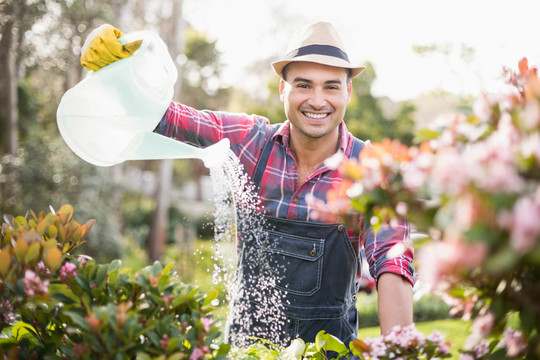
{"x": 310, "y": 153}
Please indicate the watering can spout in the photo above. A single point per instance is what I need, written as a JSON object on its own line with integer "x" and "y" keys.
{"x": 217, "y": 154}
{"x": 151, "y": 146}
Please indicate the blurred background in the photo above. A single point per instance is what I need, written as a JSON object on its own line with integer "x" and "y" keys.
{"x": 425, "y": 59}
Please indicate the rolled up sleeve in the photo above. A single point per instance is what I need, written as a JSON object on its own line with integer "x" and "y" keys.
{"x": 377, "y": 245}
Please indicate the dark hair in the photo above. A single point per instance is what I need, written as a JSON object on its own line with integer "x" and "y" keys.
{"x": 284, "y": 72}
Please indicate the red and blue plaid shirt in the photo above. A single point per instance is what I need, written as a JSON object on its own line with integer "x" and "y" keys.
{"x": 280, "y": 195}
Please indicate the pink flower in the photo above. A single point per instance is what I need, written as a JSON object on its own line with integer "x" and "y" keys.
{"x": 465, "y": 305}
{"x": 83, "y": 259}
{"x": 43, "y": 269}
{"x": 438, "y": 339}
{"x": 403, "y": 341}
{"x": 196, "y": 354}
{"x": 6, "y": 313}
{"x": 206, "y": 323}
{"x": 477, "y": 346}
{"x": 483, "y": 324}
{"x": 531, "y": 115}
{"x": 33, "y": 285}
{"x": 514, "y": 342}
{"x": 442, "y": 262}
{"x": 525, "y": 227}
{"x": 377, "y": 346}
{"x": 68, "y": 270}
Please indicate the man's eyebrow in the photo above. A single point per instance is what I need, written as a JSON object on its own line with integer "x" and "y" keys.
{"x": 304, "y": 80}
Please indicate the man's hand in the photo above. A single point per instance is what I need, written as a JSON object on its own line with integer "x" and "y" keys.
{"x": 103, "y": 48}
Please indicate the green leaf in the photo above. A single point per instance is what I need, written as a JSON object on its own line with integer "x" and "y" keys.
{"x": 502, "y": 261}
{"x": 184, "y": 298}
{"x": 33, "y": 253}
{"x": 63, "y": 298}
{"x": 425, "y": 135}
{"x": 82, "y": 281}
{"x": 163, "y": 281}
{"x": 78, "y": 320}
{"x": 327, "y": 342}
{"x": 20, "y": 221}
{"x": 210, "y": 296}
{"x": 295, "y": 350}
{"x": 143, "y": 356}
{"x": 101, "y": 275}
{"x": 115, "y": 265}
{"x": 153, "y": 337}
{"x": 177, "y": 356}
{"x": 167, "y": 269}
{"x": 21, "y": 329}
{"x": 482, "y": 233}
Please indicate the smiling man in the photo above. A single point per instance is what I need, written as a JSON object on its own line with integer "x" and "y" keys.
{"x": 315, "y": 263}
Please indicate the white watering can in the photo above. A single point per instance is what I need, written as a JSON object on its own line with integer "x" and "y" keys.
{"x": 109, "y": 117}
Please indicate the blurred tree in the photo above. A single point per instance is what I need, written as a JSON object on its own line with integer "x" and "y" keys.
{"x": 17, "y": 17}
{"x": 201, "y": 73}
{"x": 200, "y": 78}
{"x": 366, "y": 118}
{"x": 269, "y": 106}
{"x": 41, "y": 42}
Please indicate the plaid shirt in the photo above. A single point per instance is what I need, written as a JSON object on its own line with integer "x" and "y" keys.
{"x": 278, "y": 190}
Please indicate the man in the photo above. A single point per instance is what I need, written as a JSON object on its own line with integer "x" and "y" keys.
{"x": 317, "y": 262}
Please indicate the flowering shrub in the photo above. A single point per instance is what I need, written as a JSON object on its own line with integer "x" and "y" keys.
{"x": 473, "y": 186}
{"x": 57, "y": 305}
{"x": 400, "y": 343}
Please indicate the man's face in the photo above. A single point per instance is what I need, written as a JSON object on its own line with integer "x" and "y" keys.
{"x": 315, "y": 97}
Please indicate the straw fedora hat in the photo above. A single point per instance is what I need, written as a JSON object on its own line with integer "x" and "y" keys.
{"x": 319, "y": 43}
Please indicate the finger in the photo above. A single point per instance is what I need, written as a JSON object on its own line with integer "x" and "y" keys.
{"x": 132, "y": 46}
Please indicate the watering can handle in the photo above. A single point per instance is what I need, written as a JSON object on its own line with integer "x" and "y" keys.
{"x": 149, "y": 37}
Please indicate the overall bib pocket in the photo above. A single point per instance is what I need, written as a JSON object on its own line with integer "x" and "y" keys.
{"x": 299, "y": 261}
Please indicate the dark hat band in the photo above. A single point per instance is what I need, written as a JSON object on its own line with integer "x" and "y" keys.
{"x": 327, "y": 50}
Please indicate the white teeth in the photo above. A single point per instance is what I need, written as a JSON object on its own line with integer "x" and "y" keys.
{"x": 315, "y": 116}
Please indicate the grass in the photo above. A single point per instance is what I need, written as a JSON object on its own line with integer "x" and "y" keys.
{"x": 454, "y": 330}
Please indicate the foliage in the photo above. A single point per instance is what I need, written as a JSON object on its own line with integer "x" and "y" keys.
{"x": 404, "y": 343}
{"x": 44, "y": 172}
{"x": 474, "y": 186}
{"x": 201, "y": 73}
{"x": 366, "y": 118}
{"x": 56, "y": 305}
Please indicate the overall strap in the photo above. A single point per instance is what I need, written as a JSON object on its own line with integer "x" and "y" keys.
{"x": 357, "y": 146}
{"x": 263, "y": 159}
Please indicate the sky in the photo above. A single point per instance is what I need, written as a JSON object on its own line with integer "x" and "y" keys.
{"x": 383, "y": 32}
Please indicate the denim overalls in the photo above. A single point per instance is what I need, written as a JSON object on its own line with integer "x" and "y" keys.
{"x": 296, "y": 277}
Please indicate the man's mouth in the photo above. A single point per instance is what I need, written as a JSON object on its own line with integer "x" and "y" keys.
{"x": 315, "y": 115}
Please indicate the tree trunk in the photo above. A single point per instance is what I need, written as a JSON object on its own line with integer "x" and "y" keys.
{"x": 9, "y": 80}
{"x": 160, "y": 221}
{"x": 160, "y": 224}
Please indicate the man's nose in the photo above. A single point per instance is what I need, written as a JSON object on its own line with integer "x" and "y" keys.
{"x": 317, "y": 99}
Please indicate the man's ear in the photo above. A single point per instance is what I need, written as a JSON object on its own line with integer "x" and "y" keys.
{"x": 349, "y": 91}
{"x": 282, "y": 85}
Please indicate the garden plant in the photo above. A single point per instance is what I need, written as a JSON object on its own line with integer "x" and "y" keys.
{"x": 473, "y": 187}
{"x": 55, "y": 304}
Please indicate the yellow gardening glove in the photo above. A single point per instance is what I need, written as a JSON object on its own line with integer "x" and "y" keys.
{"x": 103, "y": 48}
